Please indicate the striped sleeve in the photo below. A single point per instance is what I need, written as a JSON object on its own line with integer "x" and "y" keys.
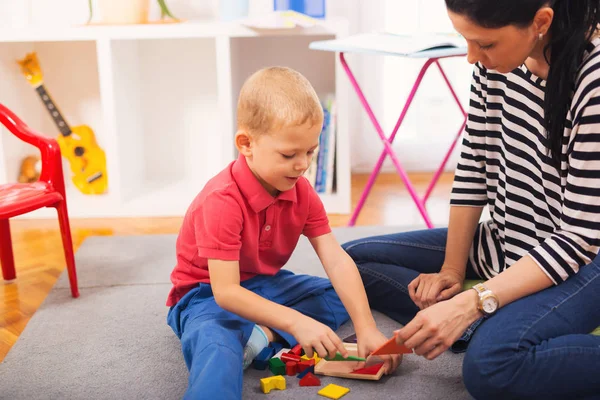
{"x": 576, "y": 242}
{"x": 469, "y": 187}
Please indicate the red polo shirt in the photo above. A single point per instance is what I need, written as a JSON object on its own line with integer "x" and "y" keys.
{"x": 235, "y": 219}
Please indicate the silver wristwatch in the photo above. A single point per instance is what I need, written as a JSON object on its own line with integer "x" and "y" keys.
{"x": 488, "y": 302}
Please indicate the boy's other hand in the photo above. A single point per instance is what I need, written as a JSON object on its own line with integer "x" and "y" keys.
{"x": 312, "y": 334}
{"x": 370, "y": 340}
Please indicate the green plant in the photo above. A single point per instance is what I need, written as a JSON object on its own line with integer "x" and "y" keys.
{"x": 164, "y": 10}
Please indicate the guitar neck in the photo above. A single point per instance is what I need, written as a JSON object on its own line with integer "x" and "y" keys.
{"x": 60, "y": 122}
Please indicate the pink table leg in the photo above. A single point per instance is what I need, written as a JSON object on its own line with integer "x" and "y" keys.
{"x": 387, "y": 142}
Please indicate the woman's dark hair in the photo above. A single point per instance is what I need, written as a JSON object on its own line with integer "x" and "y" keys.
{"x": 575, "y": 21}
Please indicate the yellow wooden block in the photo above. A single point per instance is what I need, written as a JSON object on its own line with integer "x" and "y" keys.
{"x": 314, "y": 357}
{"x": 332, "y": 391}
{"x": 273, "y": 382}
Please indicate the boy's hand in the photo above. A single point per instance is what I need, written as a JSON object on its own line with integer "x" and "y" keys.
{"x": 312, "y": 334}
{"x": 370, "y": 340}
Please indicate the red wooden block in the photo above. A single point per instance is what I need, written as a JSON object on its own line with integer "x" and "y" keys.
{"x": 372, "y": 370}
{"x": 302, "y": 365}
{"x": 310, "y": 380}
{"x": 391, "y": 347}
{"x": 297, "y": 350}
{"x": 291, "y": 368}
{"x": 285, "y": 357}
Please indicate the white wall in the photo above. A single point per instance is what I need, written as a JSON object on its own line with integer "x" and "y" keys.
{"x": 386, "y": 81}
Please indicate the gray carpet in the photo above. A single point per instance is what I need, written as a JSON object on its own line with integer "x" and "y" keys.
{"x": 113, "y": 342}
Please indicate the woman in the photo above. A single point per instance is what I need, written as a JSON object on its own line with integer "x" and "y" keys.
{"x": 531, "y": 153}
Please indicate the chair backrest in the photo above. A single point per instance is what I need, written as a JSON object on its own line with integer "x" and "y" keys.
{"x": 52, "y": 171}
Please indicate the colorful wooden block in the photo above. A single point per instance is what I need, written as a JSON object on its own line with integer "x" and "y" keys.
{"x": 286, "y": 357}
{"x": 291, "y": 368}
{"x": 282, "y": 351}
{"x": 338, "y": 357}
{"x": 277, "y": 366}
{"x": 332, "y": 391}
{"x": 310, "y": 380}
{"x": 344, "y": 369}
{"x": 273, "y": 382}
{"x": 372, "y": 370}
{"x": 262, "y": 359}
{"x": 306, "y": 371}
{"x": 276, "y": 346}
{"x": 302, "y": 365}
{"x": 391, "y": 347}
{"x": 314, "y": 357}
{"x": 297, "y": 350}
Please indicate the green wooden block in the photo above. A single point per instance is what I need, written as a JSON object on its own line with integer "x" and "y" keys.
{"x": 277, "y": 366}
{"x": 339, "y": 357}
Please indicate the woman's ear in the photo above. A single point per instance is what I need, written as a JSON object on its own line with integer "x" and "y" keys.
{"x": 543, "y": 20}
{"x": 243, "y": 142}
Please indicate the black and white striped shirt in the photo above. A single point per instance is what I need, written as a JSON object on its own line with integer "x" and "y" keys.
{"x": 535, "y": 210}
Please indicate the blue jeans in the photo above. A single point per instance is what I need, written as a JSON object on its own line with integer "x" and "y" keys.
{"x": 537, "y": 347}
{"x": 213, "y": 340}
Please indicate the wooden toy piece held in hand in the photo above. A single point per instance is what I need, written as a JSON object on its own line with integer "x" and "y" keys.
{"x": 391, "y": 347}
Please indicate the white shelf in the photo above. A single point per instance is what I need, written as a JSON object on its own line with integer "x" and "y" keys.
{"x": 161, "y": 100}
{"x": 196, "y": 29}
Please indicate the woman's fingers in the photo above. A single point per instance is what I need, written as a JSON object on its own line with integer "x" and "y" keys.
{"x": 412, "y": 288}
{"x": 450, "y": 292}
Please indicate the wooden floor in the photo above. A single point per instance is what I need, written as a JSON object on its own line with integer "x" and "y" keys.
{"x": 39, "y": 256}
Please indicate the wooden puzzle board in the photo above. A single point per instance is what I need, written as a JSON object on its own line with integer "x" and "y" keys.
{"x": 343, "y": 369}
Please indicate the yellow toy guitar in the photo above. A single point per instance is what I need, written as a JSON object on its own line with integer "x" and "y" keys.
{"x": 77, "y": 144}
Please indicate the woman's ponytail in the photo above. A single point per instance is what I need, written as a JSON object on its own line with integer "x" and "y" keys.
{"x": 574, "y": 24}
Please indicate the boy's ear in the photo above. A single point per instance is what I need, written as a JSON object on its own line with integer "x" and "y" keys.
{"x": 243, "y": 142}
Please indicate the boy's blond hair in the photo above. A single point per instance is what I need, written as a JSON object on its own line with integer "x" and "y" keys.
{"x": 277, "y": 97}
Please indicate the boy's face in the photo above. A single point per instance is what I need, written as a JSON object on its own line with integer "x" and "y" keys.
{"x": 280, "y": 158}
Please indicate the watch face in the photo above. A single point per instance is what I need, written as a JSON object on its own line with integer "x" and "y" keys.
{"x": 489, "y": 305}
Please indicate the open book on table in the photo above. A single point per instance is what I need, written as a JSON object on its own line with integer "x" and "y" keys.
{"x": 396, "y": 44}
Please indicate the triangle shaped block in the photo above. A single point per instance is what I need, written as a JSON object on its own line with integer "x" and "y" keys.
{"x": 391, "y": 347}
{"x": 372, "y": 370}
{"x": 310, "y": 380}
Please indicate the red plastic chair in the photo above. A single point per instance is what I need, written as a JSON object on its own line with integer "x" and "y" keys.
{"x": 21, "y": 198}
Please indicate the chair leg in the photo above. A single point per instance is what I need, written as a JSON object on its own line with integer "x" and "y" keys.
{"x": 6, "y": 252}
{"x": 65, "y": 230}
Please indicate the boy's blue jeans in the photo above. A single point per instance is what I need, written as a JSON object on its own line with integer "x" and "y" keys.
{"x": 537, "y": 347}
{"x": 213, "y": 340}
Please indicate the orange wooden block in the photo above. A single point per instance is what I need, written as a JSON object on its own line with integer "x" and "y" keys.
{"x": 391, "y": 347}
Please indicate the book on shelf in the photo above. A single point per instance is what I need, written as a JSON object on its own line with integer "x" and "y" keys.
{"x": 321, "y": 173}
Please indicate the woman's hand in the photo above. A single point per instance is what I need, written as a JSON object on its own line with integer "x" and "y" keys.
{"x": 370, "y": 340}
{"x": 436, "y": 328}
{"x": 427, "y": 289}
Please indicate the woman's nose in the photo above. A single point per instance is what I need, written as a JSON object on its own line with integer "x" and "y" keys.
{"x": 473, "y": 54}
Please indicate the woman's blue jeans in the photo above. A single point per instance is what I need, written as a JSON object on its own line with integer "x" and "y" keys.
{"x": 538, "y": 347}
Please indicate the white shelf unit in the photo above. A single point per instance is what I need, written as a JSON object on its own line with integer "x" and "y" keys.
{"x": 161, "y": 100}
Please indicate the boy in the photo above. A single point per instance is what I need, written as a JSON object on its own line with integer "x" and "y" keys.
{"x": 230, "y": 297}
